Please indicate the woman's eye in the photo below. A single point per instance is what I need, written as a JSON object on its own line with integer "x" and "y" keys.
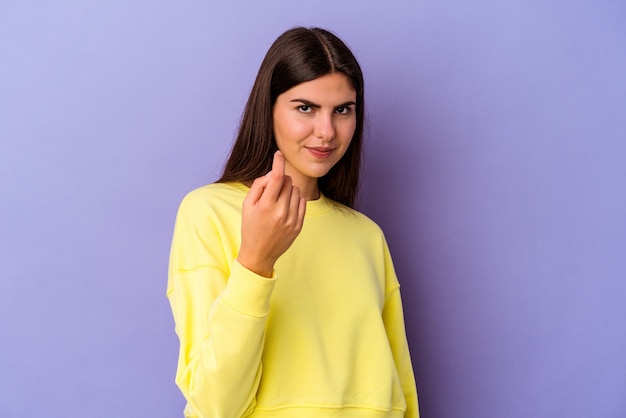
{"x": 305, "y": 109}
{"x": 344, "y": 110}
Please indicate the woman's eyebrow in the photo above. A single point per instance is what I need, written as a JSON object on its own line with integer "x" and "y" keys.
{"x": 317, "y": 106}
{"x": 347, "y": 104}
{"x": 307, "y": 103}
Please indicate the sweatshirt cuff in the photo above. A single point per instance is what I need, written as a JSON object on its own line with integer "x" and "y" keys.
{"x": 247, "y": 292}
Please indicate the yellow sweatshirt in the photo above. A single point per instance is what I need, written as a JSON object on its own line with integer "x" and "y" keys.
{"x": 324, "y": 337}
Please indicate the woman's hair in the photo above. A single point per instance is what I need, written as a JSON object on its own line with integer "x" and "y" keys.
{"x": 297, "y": 56}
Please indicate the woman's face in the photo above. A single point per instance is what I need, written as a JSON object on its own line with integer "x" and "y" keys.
{"x": 313, "y": 126}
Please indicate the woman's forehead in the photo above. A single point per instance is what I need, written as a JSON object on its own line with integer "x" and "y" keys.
{"x": 327, "y": 89}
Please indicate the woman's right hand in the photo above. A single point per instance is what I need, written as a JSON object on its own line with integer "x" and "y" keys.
{"x": 273, "y": 213}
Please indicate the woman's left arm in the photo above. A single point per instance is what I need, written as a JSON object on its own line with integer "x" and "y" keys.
{"x": 393, "y": 318}
{"x": 394, "y": 324}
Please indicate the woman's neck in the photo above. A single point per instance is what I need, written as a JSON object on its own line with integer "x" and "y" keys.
{"x": 310, "y": 191}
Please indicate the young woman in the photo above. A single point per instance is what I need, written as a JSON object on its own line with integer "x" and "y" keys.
{"x": 285, "y": 299}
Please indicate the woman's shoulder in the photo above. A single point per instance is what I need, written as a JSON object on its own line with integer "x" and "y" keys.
{"x": 371, "y": 225}
{"x": 214, "y": 195}
{"x": 216, "y": 191}
{"x": 356, "y": 220}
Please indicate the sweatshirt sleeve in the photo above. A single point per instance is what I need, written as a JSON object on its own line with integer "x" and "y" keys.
{"x": 394, "y": 323}
{"x": 393, "y": 317}
{"x": 219, "y": 313}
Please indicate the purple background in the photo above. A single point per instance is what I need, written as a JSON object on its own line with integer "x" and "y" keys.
{"x": 496, "y": 164}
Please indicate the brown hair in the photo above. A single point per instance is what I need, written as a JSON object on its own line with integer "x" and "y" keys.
{"x": 297, "y": 56}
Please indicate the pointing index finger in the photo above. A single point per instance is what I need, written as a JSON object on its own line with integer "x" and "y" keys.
{"x": 275, "y": 183}
{"x": 278, "y": 165}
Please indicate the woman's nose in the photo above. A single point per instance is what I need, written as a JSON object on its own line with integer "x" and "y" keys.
{"x": 324, "y": 127}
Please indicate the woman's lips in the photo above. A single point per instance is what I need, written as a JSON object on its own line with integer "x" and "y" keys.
{"x": 320, "y": 152}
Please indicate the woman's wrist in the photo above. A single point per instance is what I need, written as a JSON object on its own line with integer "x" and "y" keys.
{"x": 265, "y": 269}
